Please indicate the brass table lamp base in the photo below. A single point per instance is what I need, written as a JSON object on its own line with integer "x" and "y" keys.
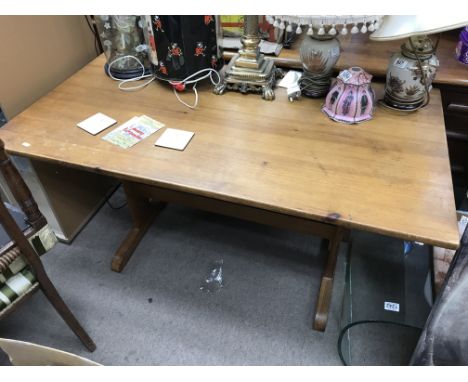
{"x": 250, "y": 71}
{"x": 253, "y": 80}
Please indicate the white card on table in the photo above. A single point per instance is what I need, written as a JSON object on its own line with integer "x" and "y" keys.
{"x": 174, "y": 139}
{"x": 96, "y": 123}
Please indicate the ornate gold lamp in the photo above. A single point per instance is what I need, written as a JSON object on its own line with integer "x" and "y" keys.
{"x": 249, "y": 70}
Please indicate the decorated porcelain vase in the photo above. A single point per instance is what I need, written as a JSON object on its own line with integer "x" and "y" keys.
{"x": 406, "y": 86}
{"x": 351, "y": 98}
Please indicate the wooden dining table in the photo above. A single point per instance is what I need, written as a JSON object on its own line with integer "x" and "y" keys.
{"x": 278, "y": 163}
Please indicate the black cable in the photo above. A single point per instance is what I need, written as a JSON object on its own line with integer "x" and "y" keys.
{"x": 292, "y": 37}
{"x": 314, "y": 85}
{"x": 96, "y": 37}
{"x": 94, "y": 34}
{"x": 423, "y": 75}
{"x": 114, "y": 207}
{"x": 349, "y": 326}
{"x": 110, "y": 195}
{"x": 89, "y": 25}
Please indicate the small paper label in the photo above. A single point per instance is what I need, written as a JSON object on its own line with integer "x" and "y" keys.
{"x": 400, "y": 63}
{"x": 335, "y": 51}
{"x": 392, "y": 306}
{"x": 345, "y": 75}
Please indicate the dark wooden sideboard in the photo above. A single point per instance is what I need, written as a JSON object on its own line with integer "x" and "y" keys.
{"x": 451, "y": 79}
{"x": 455, "y": 104}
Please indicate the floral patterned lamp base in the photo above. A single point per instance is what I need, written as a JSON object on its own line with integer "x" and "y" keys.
{"x": 410, "y": 74}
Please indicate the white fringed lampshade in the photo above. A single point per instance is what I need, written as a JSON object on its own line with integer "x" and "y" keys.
{"x": 403, "y": 26}
{"x": 330, "y": 24}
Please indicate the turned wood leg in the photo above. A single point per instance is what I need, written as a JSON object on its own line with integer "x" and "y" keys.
{"x": 20, "y": 190}
{"x": 46, "y": 285}
{"x": 57, "y": 302}
{"x": 326, "y": 285}
{"x": 143, "y": 213}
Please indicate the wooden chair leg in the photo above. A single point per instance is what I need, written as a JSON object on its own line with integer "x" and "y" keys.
{"x": 46, "y": 285}
{"x": 57, "y": 302}
{"x": 326, "y": 285}
{"x": 20, "y": 190}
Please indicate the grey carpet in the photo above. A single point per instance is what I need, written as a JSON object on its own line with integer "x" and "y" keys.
{"x": 154, "y": 313}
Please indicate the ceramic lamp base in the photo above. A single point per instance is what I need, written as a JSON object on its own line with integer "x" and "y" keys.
{"x": 410, "y": 74}
{"x": 398, "y": 104}
{"x": 319, "y": 55}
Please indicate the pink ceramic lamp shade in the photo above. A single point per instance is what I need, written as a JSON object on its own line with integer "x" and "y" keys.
{"x": 351, "y": 98}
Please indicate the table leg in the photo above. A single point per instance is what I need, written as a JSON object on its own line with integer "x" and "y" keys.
{"x": 143, "y": 212}
{"x": 326, "y": 285}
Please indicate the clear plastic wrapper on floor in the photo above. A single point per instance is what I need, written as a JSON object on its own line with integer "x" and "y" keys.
{"x": 214, "y": 281}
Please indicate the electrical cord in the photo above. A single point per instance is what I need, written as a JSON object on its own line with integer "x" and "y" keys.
{"x": 194, "y": 88}
{"x": 289, "y": 37}
{"x": 96, "y": 37}
{"x": 114, "y": 207}
{"x": 111, "y": 194}
{"x": 314, "y": 85}
{"x": 136, "y": 78}
{"x": 191, "y": 79}
{"x": 188, "y": 80}
{"x": 423, "y": 75}
{"x": 349, "y": 326}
